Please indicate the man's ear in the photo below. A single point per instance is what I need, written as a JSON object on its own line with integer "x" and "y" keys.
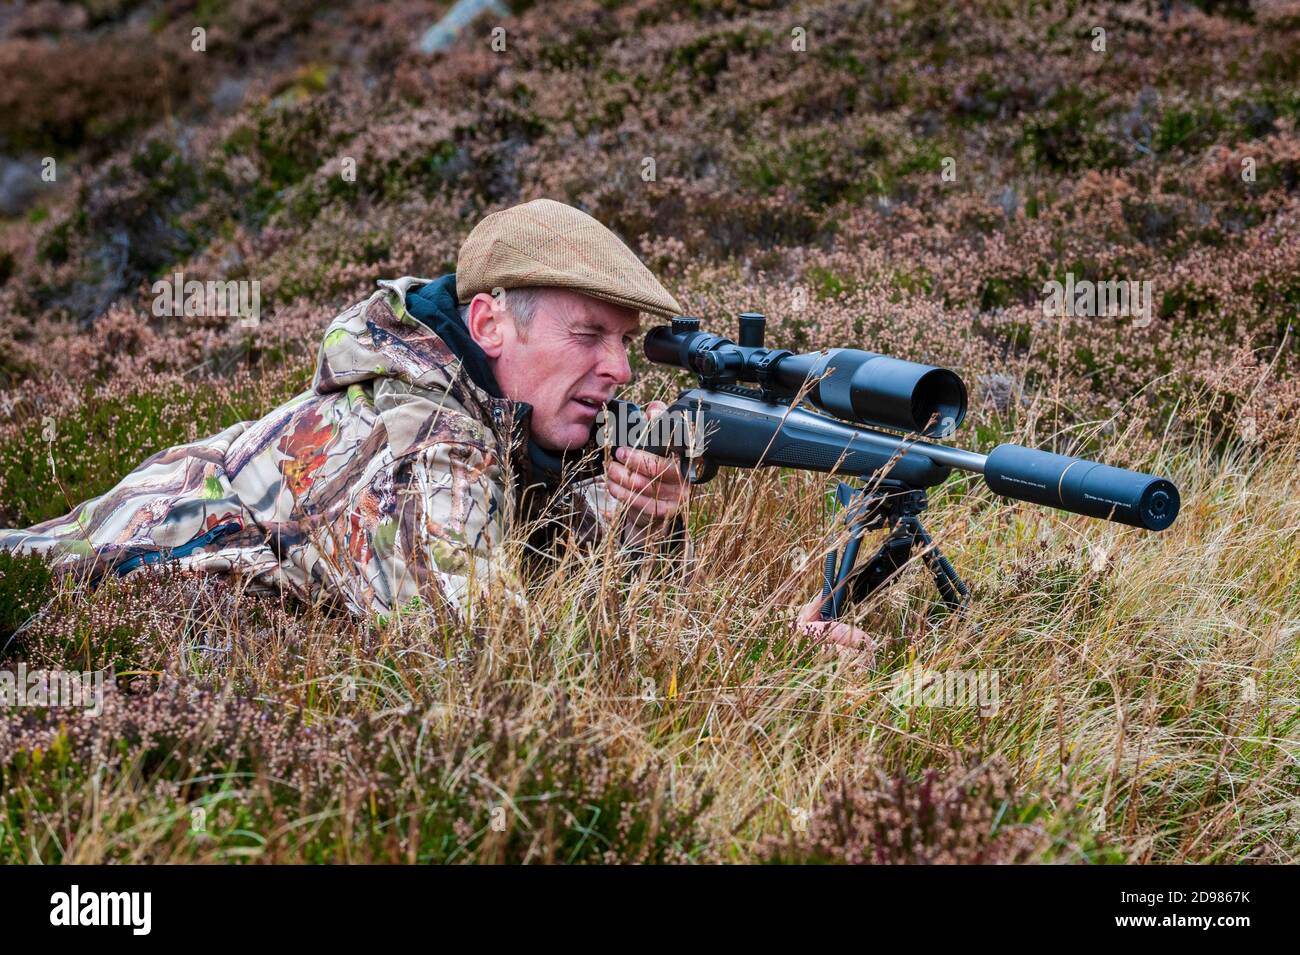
{"x": 486, "y": 320}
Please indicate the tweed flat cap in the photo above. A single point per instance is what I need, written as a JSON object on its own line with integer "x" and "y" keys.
{"x": 547, "y": 243}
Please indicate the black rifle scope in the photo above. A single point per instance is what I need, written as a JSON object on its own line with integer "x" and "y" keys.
{"x": 853, "y": 385}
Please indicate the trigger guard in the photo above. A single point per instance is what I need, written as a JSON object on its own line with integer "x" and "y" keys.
{"x": 699, "y": 470}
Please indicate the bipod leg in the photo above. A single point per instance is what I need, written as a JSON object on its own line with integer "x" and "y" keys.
{"x": 835, "y": 578}
{"x": 952, "y": 589}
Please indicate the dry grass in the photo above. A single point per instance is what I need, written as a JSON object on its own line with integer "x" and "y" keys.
{"x": 1147, "y": 712}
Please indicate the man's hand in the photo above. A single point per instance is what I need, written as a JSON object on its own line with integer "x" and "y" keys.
{"x": 833, "y": 633}
{"x": 652, "y": 486}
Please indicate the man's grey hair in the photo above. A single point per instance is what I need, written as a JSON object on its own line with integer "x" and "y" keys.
{"x": 521, "y": 303}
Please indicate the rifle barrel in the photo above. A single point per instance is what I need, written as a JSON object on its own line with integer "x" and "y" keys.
{"x": 952, "y": 457}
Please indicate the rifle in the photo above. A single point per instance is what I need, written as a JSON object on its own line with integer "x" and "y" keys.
{"x": 833, "y": 411}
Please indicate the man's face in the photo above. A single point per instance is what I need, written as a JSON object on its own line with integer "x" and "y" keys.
{"x": 567, "y": 363}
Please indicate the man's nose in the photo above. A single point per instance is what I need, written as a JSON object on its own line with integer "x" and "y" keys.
{"x": 614, "y": 364}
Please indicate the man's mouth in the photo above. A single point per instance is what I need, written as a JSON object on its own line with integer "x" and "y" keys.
{"x": 595, "y": 404}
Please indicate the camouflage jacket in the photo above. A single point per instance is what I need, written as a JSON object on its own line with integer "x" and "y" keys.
{"x": 389, "y": 483}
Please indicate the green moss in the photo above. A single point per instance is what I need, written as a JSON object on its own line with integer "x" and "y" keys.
{"x": 838, "y": 56}
{"x": 288, "y": 143}
{"x": 924, "y": 156}
{"x": 1188, "y": 129}
{"x": 999, "y": 292}
{"x": 55, "y": 245}
{"x": 913, "y": 281}
{"x": 1069, "y": 135}
{"x": 706, "y": 58}
{"x": 817, "y": 167}
{"x": 826, "y": 284}
{"x": 986, "y": 98}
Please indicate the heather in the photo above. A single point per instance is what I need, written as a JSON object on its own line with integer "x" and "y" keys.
{"x": 1149, "y": 681}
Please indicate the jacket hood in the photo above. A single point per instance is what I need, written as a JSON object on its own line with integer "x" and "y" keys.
{"x": 378, "y": 338}
{"x": 417, "y": 336}
{"x": 434, "y": 305}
